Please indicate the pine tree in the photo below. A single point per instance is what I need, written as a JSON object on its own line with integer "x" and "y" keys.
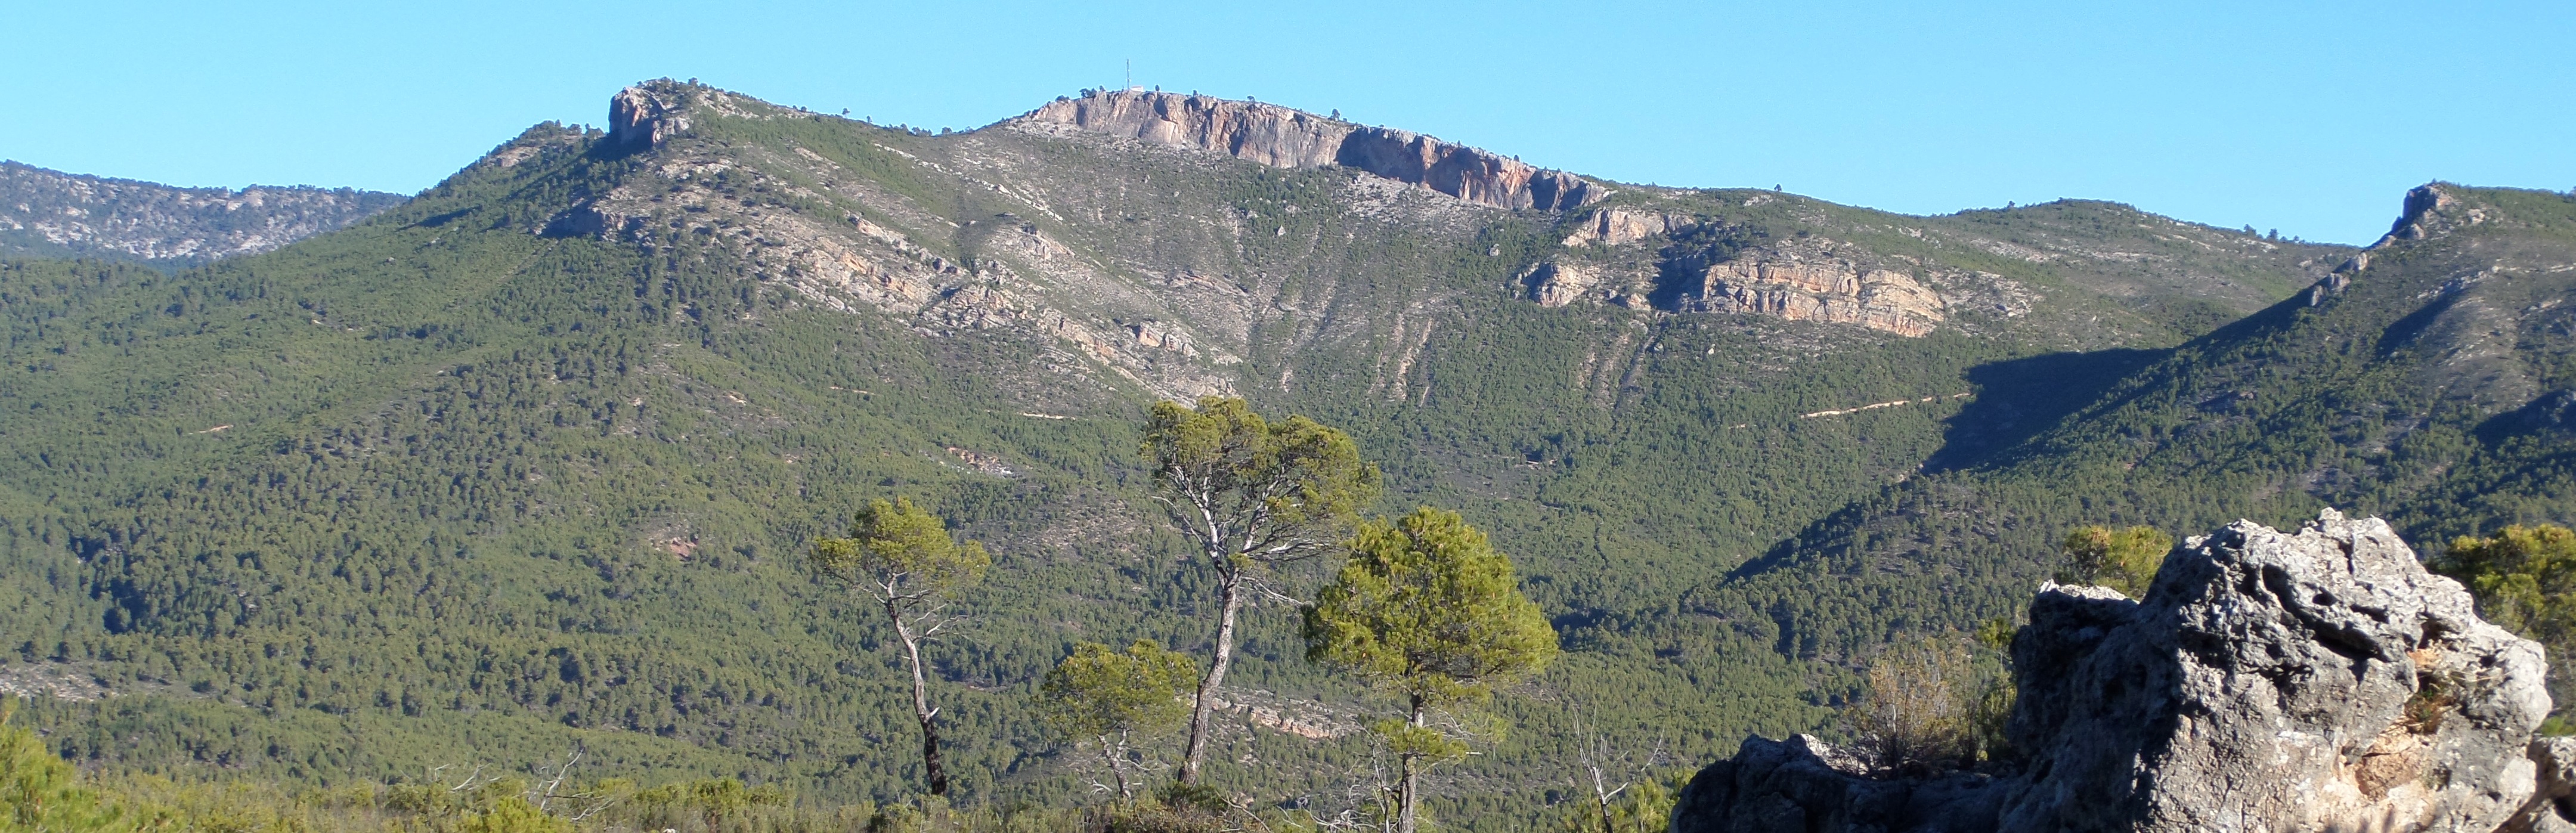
{"x": 1252, "y": 496}
{"x": 902, "y": 558}
{"x": 1112, "y": 698}
{"x": 1427, "y": 610}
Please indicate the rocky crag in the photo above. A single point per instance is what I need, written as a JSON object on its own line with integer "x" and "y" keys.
{"x": 2320, "y": 680}
{"x": 50, "y": 213}
{"x": 1285, "y": 138}
{"x": 1698, "y": 265}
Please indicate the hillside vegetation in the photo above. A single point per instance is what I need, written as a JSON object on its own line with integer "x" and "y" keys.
{"x": 2427, "y": 382}
{"x": 531, "y": 462}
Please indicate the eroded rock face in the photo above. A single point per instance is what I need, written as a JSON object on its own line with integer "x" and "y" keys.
{"x": 1616, "y": 226}
{"x": 1269, "y": 134}
{"x": 646, "y": 115}
{"x": 2312, "y": 681}
{"x": 2431, "y": 211}
{"x": 1558, "y": 284}
{"x": 1460, "y": 171}
{"x": 1795, "y": 283}
{"x": 1286, "y": 138}
{"x": 1828, "y": 291}
{"x": 1801, "y": 280}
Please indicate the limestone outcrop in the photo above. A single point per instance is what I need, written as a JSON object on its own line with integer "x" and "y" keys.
{"x": 1556, "y": 284}
{"x": 1266, "y": 133}
{"x": 2431, "y": 211}
{"x": 646, "y": 115}
{"x": 2320, "y": 680}
{"x": 1282, "y": 137}
{"x": 1664, "y": 260}
{"x": 1617, "y": 226}
{"x": 887, "y": 253}
{"x": 1831, "y": 291}
{"x": 1464, "y": 172}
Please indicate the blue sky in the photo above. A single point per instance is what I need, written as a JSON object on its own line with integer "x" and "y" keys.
{"x": 2312, "y": 118}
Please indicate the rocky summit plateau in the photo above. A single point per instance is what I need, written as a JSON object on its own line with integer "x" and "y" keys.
{"x": 527, "y": 467}
{"x": 1284, "y": 138}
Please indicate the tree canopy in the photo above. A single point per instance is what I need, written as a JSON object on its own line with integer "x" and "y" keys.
{"x": 1107, "y": 697}
{"x": 1251, "y": 494}
{"x": 902, "y": 557}
{"x": 900, "y": 552}
{"x": 41, "y": 793}
{"x": 1427, "y": 609}
{"x": 1246, "y": 489}
{"x": 2525, "y": 581}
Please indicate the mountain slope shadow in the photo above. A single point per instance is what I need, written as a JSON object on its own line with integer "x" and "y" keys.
{"x": 2016, "y": 401}
{"x": 2019, "y": 398}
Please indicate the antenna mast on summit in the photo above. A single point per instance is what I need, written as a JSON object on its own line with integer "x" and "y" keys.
{"x": 1131, "y": 73}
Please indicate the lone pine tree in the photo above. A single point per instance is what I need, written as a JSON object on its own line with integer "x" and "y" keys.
{"x": 902, "y": 558}
{"x": 1252, "y": 496}
{"x": 1425, "y": 608}
{"x": 1111, "y": 698}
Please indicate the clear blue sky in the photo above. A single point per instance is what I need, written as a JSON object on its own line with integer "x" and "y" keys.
{"x": 2307, "y": 117}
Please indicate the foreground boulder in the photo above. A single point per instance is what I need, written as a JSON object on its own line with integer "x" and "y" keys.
{"x": 2317, "y": 681}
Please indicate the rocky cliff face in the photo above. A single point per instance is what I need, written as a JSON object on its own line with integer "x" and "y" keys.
{"x": 1285, "y": 138}
{"x": 2431, "y": 211}
{"x": 2311, "y": 681}
{"x": 646, "y": 115}
{"x": 1831, "y": 291}
{"x": 46, "y": 212}
{"x": 1795, "y": 280}
{"x": 1685, "y": 252}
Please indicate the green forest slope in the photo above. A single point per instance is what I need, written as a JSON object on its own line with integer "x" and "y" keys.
{"x": 2427, "y": 382}
{"x": 527, "y": 462}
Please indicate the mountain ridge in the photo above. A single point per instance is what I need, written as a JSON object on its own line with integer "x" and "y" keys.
{"x": 51, "y": 213}
{"x": 2416, "y": 381}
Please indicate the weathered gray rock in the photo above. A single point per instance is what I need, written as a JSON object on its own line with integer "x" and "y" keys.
{"x": 2552, "y": 808}
{"x": 1804, "y": 784}
{"x": 648, "y": 114}
{"x": 2316, "y": 681}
